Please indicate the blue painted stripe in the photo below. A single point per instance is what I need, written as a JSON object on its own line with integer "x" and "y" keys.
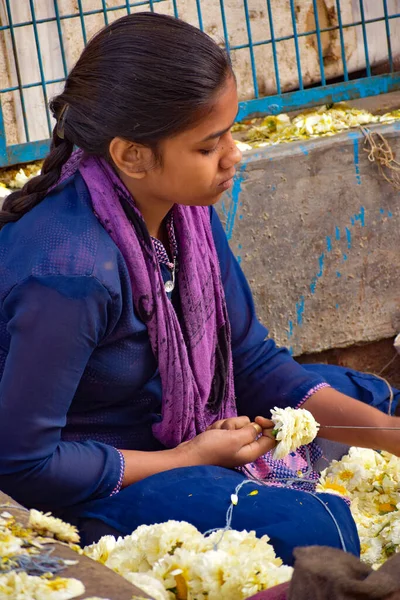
{"x": 356, "y": 158}
{"x": 338, "y": 92}
{"x": 296, "y": 43}
{"x": 83, "y": 27}
{"x": 60, "y": 37}
{"x": 342, "y": 44}
{"x": 274, "y": 52}
{"x": 23, "y": 153}
{"x": 104, "y": 5}
{"x": 359, "y": 217}
{"x": 251, "y": 49}
{"x": 224, "y": 25}
{"x": 41, "y": 68}
{"x": 389, "y": 42}
{"x": 88, "y": 13}
{"x": 234, "y": 195}
{"x": 11, "y": 26}
{"x": 290, "y": 331}
{"x": 176, "y": 12}
{"x": 365, "y": 38}
{"x": 319, "y": 43}
{"x": 348, "y": 238}
{"x": 300, "y": 310}
{"x": 3, "y": 147}
{"x": 199, "y": 15}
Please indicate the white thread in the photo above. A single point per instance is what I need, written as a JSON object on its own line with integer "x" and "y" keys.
{"x": 229, "y": 512}
{"x": 289, "y": 481}
{"x": 14, "y": 506}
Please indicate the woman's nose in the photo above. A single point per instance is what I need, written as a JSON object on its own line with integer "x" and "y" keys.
{"x": 232, "y": 154}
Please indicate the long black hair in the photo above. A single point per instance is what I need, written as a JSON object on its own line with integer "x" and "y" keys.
{"x": 143, "y": 78}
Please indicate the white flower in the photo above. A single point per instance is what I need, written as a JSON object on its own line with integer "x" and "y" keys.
{"x": 149, "y": 584}
{"x": 9, "y": 544}
{"x": 20, "y": 586}
{"x": 326, "y": 485}
{"x": 372, "y": 551}
{"x": 293, "y": 428}
{"x": 101, "y": 551}
{"x": 349, "y": 475}
{"x": 50, "y": 526}
{"x": 243, "y": 542}
{"x": 127, "y": 557}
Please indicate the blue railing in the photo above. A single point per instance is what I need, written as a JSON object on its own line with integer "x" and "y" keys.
{"x": 345, "y": 85}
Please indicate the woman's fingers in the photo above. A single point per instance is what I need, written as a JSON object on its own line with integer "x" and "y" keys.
{"x": 231, "y": 423}
{"x": 258, "y": 447}
{"x": 257, "y": 427}
{"x": 236, "y": 423}
{"x": 264, "y": 423}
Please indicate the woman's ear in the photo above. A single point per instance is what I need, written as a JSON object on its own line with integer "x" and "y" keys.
{"x": 131, "y": 158}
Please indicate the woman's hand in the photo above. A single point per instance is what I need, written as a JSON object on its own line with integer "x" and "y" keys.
{"x": 228, "y": 443}
{"x": 266, "y": 425}
{"x": 231, "y": 423}
{"x": 227, "y": 447}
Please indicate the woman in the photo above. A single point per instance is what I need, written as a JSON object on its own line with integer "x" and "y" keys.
{"x": 128, "y": 338}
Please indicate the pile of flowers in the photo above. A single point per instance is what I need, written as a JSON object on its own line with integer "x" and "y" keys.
{"x": 371, "y": 480}
{"x": 174, "y": 560}
{"x": 22, "y": 550}
{"x": 29, "y": 587}
{"x": 15, "y": 178}
{"x": 293, "y": 428}
{"x": 325, "y": 121}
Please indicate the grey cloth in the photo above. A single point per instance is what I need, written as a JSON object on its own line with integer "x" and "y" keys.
{"x": 330, "y": 451}
{"x": 322, "y": 573}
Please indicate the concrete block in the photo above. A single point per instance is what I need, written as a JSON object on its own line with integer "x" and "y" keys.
{"x": 316, "y": 229}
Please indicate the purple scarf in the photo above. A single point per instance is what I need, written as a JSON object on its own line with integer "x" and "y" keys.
{"x": 194, "y": 355}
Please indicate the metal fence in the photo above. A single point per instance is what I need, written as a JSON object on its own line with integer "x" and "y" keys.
{"x": 287, "y": 54}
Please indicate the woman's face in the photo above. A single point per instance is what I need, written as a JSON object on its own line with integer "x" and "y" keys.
{"x": 198, "y": 164}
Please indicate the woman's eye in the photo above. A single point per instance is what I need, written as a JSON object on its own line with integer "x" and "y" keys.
{"x": 208, "y": 151}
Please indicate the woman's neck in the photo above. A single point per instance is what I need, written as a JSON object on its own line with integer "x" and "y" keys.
{"x": 152, "y": 208}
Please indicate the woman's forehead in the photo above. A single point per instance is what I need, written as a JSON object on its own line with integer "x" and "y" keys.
{"x": 219, "y": 119}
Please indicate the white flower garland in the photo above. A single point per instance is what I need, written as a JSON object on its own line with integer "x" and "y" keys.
{"x": 293, "y": 428}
